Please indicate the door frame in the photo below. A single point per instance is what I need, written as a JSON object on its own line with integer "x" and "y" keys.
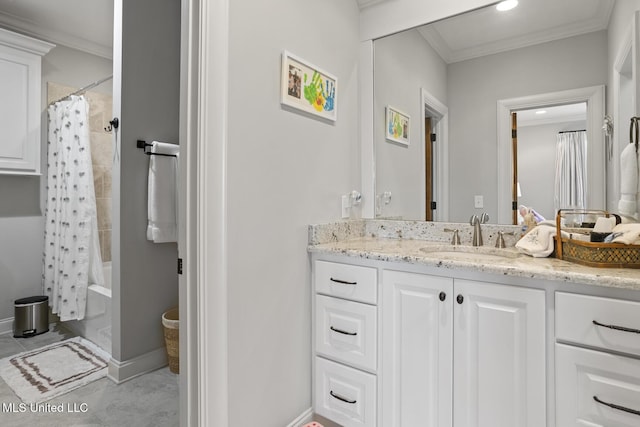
{"x": 596, "y": 170}
{"x": 204, "y": 390}
{"x": 430, "y": 106}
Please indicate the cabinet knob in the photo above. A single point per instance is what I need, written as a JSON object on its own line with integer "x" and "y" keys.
{"x": 442, "y": 296}
{"x": 460, "y": 299}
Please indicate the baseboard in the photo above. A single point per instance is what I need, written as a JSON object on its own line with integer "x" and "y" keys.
{"x": 304, "y": 418}
{"x": 120, "y": 372}
{"x": 6, "y": 325}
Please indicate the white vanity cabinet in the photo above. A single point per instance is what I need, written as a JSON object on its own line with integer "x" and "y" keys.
{"x": 597, "y": 365}
{"x": 345, "y": 343}
{"x": 20, "y": 86}
{"x": 460, "y": 352}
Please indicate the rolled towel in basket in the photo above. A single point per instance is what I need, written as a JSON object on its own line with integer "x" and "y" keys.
{"x": 538, "y": 243}
{"x": 629, "y": 234}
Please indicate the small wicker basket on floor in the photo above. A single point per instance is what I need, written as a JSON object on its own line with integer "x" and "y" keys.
{"x": 171, "y": 326}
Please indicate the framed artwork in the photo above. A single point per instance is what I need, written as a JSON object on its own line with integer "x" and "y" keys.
{"x": 397, "y": 125}
{"x": 308, "y": 88}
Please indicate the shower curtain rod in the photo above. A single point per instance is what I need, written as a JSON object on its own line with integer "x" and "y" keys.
{"x": 569, "y": 131}
{"x": 84, "y": 89}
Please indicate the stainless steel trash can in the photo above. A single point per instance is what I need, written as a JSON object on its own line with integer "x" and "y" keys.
{"x": 31, "y": 316}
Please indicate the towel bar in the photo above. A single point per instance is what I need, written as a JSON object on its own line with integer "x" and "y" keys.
{"x": 144, "y": 144}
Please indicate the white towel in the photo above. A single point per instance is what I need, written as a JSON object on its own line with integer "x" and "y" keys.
{"x": 162, "y": 203}
{"x": 539, "y": 242}
{"x": 629, "y": 234}
{"x": 628, "y": 204}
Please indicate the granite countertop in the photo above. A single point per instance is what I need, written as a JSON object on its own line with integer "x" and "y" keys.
{"x": 359, "y": 241}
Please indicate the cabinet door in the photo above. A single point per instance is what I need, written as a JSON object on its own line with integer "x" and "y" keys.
{"x": 416, "y": 350}
{"x": 499, "y": 361}
{"x": 20, "y": 108}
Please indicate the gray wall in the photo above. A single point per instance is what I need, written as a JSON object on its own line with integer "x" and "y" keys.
{"x": 285, "y": 171}
{"x": 475, "y": 86}
{"x": 21, "y": 210}
{"x": 404, "y": 63}
{"x": 537, "y": 166}
{"x": 145, "y": 277}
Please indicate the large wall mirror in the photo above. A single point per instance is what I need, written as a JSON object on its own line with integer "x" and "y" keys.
{"x": 453, "y": 78}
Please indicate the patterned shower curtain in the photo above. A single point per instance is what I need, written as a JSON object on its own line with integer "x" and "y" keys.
{"x": 571, "y": 171}
{"x": 72, "y": 251}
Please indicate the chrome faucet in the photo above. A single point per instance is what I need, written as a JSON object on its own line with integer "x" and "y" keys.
{"x": 477, "y": 231}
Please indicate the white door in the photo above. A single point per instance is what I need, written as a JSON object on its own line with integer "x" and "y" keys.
{"x": 499, "y": 356}
{"x": 416, "y": 355}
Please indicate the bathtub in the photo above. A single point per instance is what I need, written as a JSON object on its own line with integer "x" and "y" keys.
{"x": 96, "y": 325}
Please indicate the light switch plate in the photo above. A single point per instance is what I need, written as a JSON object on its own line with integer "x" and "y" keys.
{"x": 478, "y": 202}
{"x": 346, "y": 207}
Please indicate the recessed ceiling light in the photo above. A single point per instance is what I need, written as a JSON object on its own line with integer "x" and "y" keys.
{"x": 507, "y": 5}
{"x": 541, "y": 112}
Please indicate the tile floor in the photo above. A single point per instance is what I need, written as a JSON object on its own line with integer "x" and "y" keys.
{"x": 149, "y": 400}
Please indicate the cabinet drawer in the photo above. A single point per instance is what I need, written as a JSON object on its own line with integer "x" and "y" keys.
{"x": 583, "y": 375}
{"x": 345, "y": 395}
{"x": 346, "y": 281}
{"x": 346, "y": 331}
{"x": 575, "y": 316}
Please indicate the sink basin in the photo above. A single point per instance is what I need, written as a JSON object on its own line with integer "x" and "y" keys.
{"x": 471, "y": 252}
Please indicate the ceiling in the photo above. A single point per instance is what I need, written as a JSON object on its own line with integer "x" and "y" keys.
{"x": 86, "y": 25}
{"x": 487, "y": 31}
{"x": 557, "y": 114}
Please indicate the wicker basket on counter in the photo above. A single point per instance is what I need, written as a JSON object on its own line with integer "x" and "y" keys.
{"x": 593, "y": 254}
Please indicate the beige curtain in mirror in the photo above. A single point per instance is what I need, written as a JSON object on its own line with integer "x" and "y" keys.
{"x": 571, "y": 168}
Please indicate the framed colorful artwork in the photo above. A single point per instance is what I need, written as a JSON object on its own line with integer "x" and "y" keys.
{"x": 397, "y": 125}
{"x": 308, "y": 88}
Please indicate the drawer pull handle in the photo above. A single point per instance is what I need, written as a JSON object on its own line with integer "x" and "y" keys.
{"x": 342, "y": 282}
{"x": 617, "y": 328}
{"x": 345, "y": 400}
{"x": 340, "y": 331}
{"x": 618, "y": 407}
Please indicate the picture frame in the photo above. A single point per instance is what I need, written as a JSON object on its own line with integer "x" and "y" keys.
{"x": 397, "y": 126}
{"x": 308, "y": 88}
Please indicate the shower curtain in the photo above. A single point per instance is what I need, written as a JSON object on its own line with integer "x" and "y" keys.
{"x": 571, "y": 171}
{"x": 72, "y": 251}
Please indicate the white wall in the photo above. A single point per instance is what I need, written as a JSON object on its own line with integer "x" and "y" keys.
{"x": 285, "y": 171}
{"x": 475, "y": 86}
{"x": 21, "y": 220}
{"x": 404, "y": 63}
{"x": 620, "y": 24}
{"x": 536, "y": 164}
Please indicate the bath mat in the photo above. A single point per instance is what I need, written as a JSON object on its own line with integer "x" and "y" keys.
{"x": 42, "y": 374}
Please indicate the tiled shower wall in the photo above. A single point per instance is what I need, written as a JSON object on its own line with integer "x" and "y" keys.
{"x": 100, "y": 111}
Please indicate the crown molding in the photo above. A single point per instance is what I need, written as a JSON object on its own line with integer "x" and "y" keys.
{"x": 366, "y": 3}
{"x": 598, "y": 23}
{"x": 30, "y": 29}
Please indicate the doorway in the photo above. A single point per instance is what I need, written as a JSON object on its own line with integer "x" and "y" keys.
{"x": 435, "y": 133}
{"x": 536, "y": 133}
{"x": 594, "y": 99}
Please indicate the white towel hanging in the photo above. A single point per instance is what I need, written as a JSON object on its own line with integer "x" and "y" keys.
{"x": 162, "y": 203}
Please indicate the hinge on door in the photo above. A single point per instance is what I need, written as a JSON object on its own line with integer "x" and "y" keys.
{"x": 514, "y": 205}
{"x": 433, "y": 137}
{"x": 433, "y": 206}
{"x": 179, "y": 265}
{"x": 514, "y": 133}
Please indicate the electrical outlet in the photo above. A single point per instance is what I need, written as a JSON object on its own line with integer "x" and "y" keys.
{"x": 478, "y": 202}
